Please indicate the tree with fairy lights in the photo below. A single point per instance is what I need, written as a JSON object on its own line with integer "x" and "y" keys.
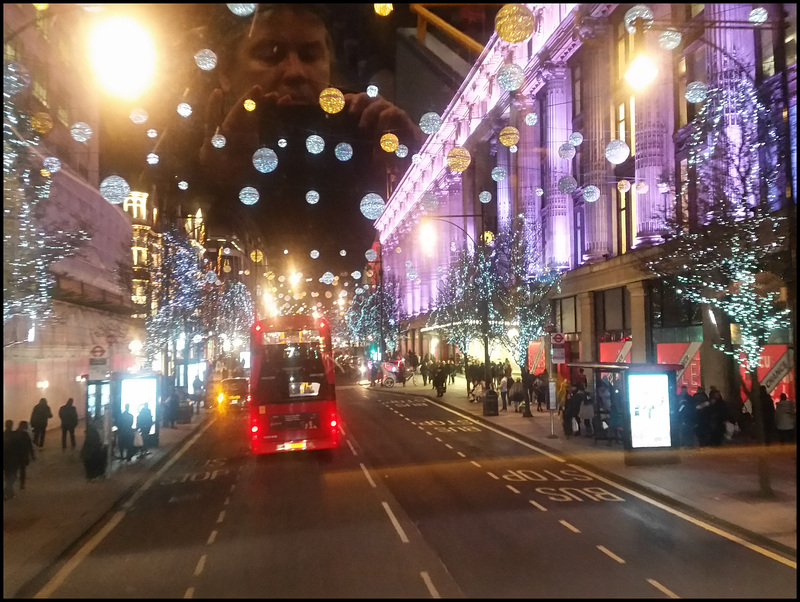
{"x": 30, "y": 246}
{"x": 376, "y": 310}
{"x": 180, "y": 294}
{"x": 731, "y": 259}
{"x": 231, "y": 312}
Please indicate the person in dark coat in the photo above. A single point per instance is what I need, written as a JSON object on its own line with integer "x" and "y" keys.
{"x": 702, "y": 407}
{"x": 25, "y": 449}
{"x": 94, "y": 453}
{"x": 69, "y": 422}
{"x": 687, "y": 417}
{"x": 125, "y": 434}
{"x": 144, "y": 422}
{"x": 717, "y": 417}
{"x": 440, "y": 379}
{"x": 171, "y": 415}
{"x": 571, "y": 410}
{"x": 39, "y": 416}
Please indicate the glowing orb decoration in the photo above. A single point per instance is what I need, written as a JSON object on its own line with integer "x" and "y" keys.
{"x": 312, "y": 197}
{"x": 114, "y": 189}
{"x": 617, "y": 151}
{"x": 359, "y": 290}
{"x": 485, "y": 197}
{"x": 458, "y": 159}
{"x": 641, "y": 12}
{"x": 52, "y": 164}
{"x": 152, "y": 133}
{"x": 249, "y": 105}
{"x": 514, "y": 23}
{"x": 758, "y": 16}
{"x": 265, "y": 160}
{"x": 642, "y": 188}
{"x": 566, "y": 151}
{"x": 510, "y": 77}
{"x": 383, "y": 9}
{"x": 430, "y": 123}
{"x": 398, "y": 250}
{"x": 670, "y": 39}
{"x": 591, "y": 193}
{"x": 282, "y": 142}
{"x": 227, "y": 250}
{"x": 242, "y": 10}
{"x": 183, "y": 185}
{"x": 184, "y": 109}
{"x": 372, "y": 91}
{"x": 327, "y": 278}
{"x": 205, "y": 59}
{"x": 409, "y": 263}
{"x": 15, "y": 78}
{"x": 567, "y": 184}
{"x": 531, "y": 119}
{"x": 498, "y": 174}
{"x": 248, "y": 195}
{"x": 315, "y": 144}
{"x": 256, "y": 256}
{"x": 372, "y": 206}
{"x": 139, "y": 116}
{"x": 218, "y": 141}
{"x": 80, "y": 131}
{"x": 429, "y": 202}
{"x": 389, "y": 142}
{"x": 343, "y": 253}
{"x": 509, "y": 136}
{"x": 152, "y": 159}
{"x": 356, "y": 275}
{"x": 412, "y": 274}
{"x": 314, "y": 254}
{"x": 210, "y": 277}
{"x": 623, "y": 186}
{"x": 401, "y": 151}
{"x": 513, "y": 148}
{"x": 371, "y": 255}
{"x": 575, "y": 138}
{"x": 696, "y": 92}
{"x": 331, "y": 100}
{"x": 41, "y": 122}
{"x": 416, "y": 158}
{"x": 539, "y": 192}
{"x": 343, "y": 151}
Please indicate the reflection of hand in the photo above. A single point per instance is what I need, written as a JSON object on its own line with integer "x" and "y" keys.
{"x": 377, "y": 116}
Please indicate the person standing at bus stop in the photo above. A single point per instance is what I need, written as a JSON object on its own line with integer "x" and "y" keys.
{"x": 69, "y": 422}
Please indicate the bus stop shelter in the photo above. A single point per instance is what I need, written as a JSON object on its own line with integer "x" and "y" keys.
{"x": 647, "y": 396}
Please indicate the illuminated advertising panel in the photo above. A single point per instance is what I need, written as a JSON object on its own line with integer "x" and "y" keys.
{"x": 649, "y": 410}
{"x": 139, "y": 392}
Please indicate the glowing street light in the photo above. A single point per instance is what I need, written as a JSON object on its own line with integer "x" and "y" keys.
{"x": 123, "y": 56}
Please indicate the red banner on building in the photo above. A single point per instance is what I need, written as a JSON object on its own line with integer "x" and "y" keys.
{"x": 775, "y": 371}
{"x": 688, "y": 356}
{"x": 536, "y": 363}
{"x": 616, "y": 352}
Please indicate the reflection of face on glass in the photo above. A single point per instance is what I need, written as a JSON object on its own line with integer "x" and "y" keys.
{"x": 287, "y": 52}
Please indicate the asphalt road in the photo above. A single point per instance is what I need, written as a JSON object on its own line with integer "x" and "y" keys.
{"x": 420, "y": 501}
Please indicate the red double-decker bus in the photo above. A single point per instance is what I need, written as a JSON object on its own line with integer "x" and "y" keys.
{"x": 292, "y": 385}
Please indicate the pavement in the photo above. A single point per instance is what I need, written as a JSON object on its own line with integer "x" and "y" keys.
{"x": 49, "y": 519}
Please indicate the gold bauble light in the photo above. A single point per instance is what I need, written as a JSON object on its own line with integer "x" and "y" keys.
{"x": 331, "y": 100}
{"x": 623, "y": 186}
{"x": 42, "y": 122}
{"x": 389, "y": 142}
{"x": 509, "y": 136}
{"x": 458, "y": 159}
{"x": 249, "y": 104}
{"x": 256, "y": 256}
{"x": 383, "y": 9}
{"x": 514, "y": 23}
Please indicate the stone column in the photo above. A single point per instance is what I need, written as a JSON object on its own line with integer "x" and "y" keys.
{"x": 640, "y": 331}
{"x": 529, "y": 176}
{"x": 587, "y": 342}
{"x": 557, "y": 207}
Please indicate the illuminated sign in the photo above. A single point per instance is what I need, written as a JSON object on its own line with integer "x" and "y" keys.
{"x": 648, "y": 408}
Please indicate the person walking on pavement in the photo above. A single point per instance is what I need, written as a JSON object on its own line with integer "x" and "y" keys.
{"x": 125, "y": 434}
{"x": 586, "y": 411}
{"x": 686, "y": 417}
{"x": 68, "y": 415}
{"x": 425, "y": 369}
{"x": 94, "y": 453}
{"x": 26, "y": 452}
{"x": 39, "y": 416}
{"x": 785, "y": 419}
{"x": 144, "y": 422}
{"x": 702, "y": 407}
{"x": 504, "y": 392}
{"x": 171, "y": 415}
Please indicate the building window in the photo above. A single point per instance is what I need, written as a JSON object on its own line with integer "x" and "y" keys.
{"x": 577, "y": 86}
{"x": 566, "y": 315}
{"x": 39, "y": 86}
{"x": 624, "y": 220}
{"x": 580, "y": 235}
{"x": 136, "y": 205}
{"x": 139, "y": 256}
{"x": 612, "y": 314}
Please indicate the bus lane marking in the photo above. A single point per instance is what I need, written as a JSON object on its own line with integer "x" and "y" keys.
{"x": 366, "y": 473}
{"x": 474, "y": 463}
{"x": 352, "y": 449}
{"x": 429, "y": 584}
{"x": 461, "y": 454}
{"x": 189, "y": 593}
{"x": 221, "y": 517}
{"x": 512, "y": 488}
{"x": 538, "y": 505}
{"x": 212, "y": 538}
{"x": 569, "y": 526}
{"x": 567, "y": 491}
{"x": 395, "y": 522}
{"x": 662, "y": 589}
{"x": 610, "y": 554}
{"x": 201, "y": 564}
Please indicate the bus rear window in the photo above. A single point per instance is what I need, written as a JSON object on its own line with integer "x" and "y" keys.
{"x": 291, "y": 371}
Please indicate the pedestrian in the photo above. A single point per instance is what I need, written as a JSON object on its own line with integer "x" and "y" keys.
{"x": 478, "y": 392}
{"x": 717, "y": 417}
{"x": 425, "y": 368}
{"x": 504, "y": 392}
{"x": 451, "y": 371}
{"x": 12, "y": 453}
{"x": 687, "y": 417}
{"x": 507, "y": 369}
{"x": 785, "y": 419}
{"x": 68, "y": 415}
{"x": 702, "y": 429}
{"x": 516, "y": 392}
{"x": 572, "y": 406}
{"x": 581, "y": 379}
{"x": 125, "y": 434}
{"x": 25, "y": 450}
{"x": 144, "y": 423}
{"x": 171, "y": 414}
{"x": 39, "y": 416}
{"x": 94, "y": 453}
{"x": 586, "y": 411}
{"x": 767, "y": 413}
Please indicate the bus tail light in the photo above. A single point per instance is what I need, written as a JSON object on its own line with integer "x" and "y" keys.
{"x": 334, "y": 422}
{"x": 254, "y": 428}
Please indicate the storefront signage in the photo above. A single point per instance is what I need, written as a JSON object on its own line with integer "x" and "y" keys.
{"x": 558, "y": 352}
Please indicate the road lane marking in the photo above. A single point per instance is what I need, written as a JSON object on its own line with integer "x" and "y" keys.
{"x": 570, "y": 527}
{"x": 369, "y": 478}
{"x": 429, "y": 584}
{"x": 475, "y": 463}
{"x": 447, "y": 445}
{"x": 691, "y": 519}
{"x": 221, "y": 517}
{"x": 610, "y": 554}
{"x": 189, "y": 593}
{"x": 662, "y": 589}
{"x": 352, "y": 449}
{"x": 514, "y": 489}
{"x": 438, "y": 439}
{"x": 494, "y": 476}
{"x": 201, "y": 564}
{"x": 461, "y": 454}
{"x": 227, "y": 501}
{"x": 396, "y": 524}
{"x": 212, "y": 537}
{"x": 538, "y": 505}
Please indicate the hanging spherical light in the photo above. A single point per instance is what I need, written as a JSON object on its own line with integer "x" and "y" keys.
{"x": 80, "y": 131}
{"x": 265, "y": 160}
{"x": 383, "y": 9}
{"x": 498, "y": 174}
{"x": 389, "y": 142}
{"x": 312, "y": 197}
{"x": 242, "y": 10}
{"x": 509, "y": 136}
{"x": 642, "y": 188}
{"x": 331, "y": 100}
{"x": 514, "y": 23}
{"x": 670, "y": 39}
{"x": 617, "y": 151}
{"x": 430, "y": 123}
{"x": 343, "y": 151}
{"x": 52, "y": 164}
{"x": 371, "y": 255}
{"x": 696, "y": 92}
{"x": 539, "y": 192}
{"x": 510, "y": 77}
{"x": 184, "y": 109}
{"x": 758, "y": 16}
{"x": 485, "y": 197}
{"x": 575, "y": 138}
{"x": 315, "y": 144}
{"x": 256, "y": 255}
{"x": 458, "y": 159}
{"x": 218, "y": 141}
{"x": 401, "y": 151}
{"x": 205, "y": 59}
{"x": 591, "y": 193}
{"x": 41, "y": 122}
{"x": 138, "y": 116}
{"x": 115, "y": 189}
{"x": 623, "y": 186}
{"x": 372, "y": 91}
{"x": 314, "y": 254}
{"x": 152, "y": 159}
{"x": 567, "y": 184}
{"x": 641, "y": 12}
{"x": 566, "y": 151}
{"x": 248, "y": 195}
{"x": 372, "y": 206}
{"x": 531, "y": 118}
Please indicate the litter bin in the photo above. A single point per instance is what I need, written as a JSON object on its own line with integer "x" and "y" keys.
{"x": 490, "y": 403}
